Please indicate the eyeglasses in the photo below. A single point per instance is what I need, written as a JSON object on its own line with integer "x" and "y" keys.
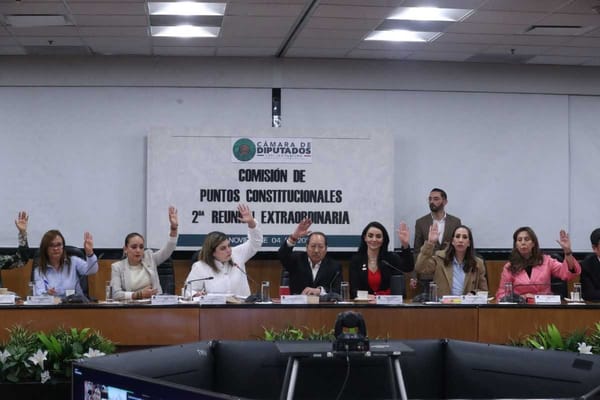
{"x": 55, "y": 245}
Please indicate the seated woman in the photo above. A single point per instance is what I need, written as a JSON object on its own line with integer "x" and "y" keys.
{"x": 530, "y": 271}
{"x": 224, "y": 264}
{"x": 57, "y": 272}
{"x": 456, "y": 270}
{"x": 21, "y": 257}
{"x": 136, "y": 277}
{"x": 373, "y": 265}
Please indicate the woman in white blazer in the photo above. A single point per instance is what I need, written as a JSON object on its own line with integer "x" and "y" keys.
{"x": 135, "y": 277}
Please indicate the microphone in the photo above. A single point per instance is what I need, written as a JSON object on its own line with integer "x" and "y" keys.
{"x": 186, "y": 284}
{"x": 385, "y": 262}
{"x": 331, "y": 295}
{"x": 516, "y": 298}
{"x": 254, "y": 297}
{"x": 81, "y": 298}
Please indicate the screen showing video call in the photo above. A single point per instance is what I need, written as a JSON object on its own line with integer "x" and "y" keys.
{"x": 92, "y": 384}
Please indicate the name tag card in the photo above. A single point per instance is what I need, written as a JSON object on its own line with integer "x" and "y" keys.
{"x": 213, "y": 299}
{"x": 475, "y": 299}
{"x": 164, "y": 299}
{"x": 547, "y": 299}
{"x": 40, "y": 300}
{"x": 392, "y": 299}
{"x": 294, "y": 299}
{"x": 7, "y": 299}
{"x": 452, "y": 299}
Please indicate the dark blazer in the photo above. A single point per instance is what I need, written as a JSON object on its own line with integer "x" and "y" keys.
{"x": 590, "y": 278}
{"x": 296, "y": 263}
{"x": 359, "y": 277}
{"x": 422, "y": 231}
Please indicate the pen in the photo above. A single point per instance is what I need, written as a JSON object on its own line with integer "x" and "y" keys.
{"x": 46, "y": 284}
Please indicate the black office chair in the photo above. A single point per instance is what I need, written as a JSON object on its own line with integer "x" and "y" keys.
{"x": 71, "y": 251}
{"x": 166, "y": 276}
{"x": 398, "y": 285}
{"x": 557, "y": 285}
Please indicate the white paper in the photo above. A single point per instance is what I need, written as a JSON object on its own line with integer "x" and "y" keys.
{"x": 294, "y": 299}
{"x": 391, "y": 299}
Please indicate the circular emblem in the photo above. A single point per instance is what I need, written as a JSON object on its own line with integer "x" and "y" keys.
{"x": 244, "y": 149}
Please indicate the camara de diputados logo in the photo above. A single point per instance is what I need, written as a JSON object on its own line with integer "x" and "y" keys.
{"x": 244, "y": 149}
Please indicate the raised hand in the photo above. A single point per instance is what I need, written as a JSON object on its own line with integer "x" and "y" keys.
{"x": 403, "y": 234}
{"x": 246, "y": 215}
{"x": 564, "y": 241}
{"x": 21, "y": 221}
{"x": 434, "y": 234}
{"x": 88, "y": 244}
{"x": 173, "y": 219}
{"x": 302, "y": 229}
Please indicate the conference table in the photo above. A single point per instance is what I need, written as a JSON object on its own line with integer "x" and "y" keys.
{"x": 135, "y": 325}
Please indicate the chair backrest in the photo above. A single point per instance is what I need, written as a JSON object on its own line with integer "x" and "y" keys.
{"x": 398, "y": 284}
{"x": 166, "y": 276}
{"x": 71, "y": 251}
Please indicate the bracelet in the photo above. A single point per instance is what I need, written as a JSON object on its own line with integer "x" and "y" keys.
{"x": 293, "y": 238}
{"x": 567, "y": 254}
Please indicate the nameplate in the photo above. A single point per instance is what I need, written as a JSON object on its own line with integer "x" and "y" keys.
{"x": 452, "y": 299}
{"x": 40, "y": 300}
{"x": 294, "y": 299}
{"x": 213, "y": 298}
{"x": 475, "y": 299}
{"x": 391, "y": 299}
{"x": 7, "y": 299}
{"x": 547, "y": 299}
{"x": 164, "y": 299}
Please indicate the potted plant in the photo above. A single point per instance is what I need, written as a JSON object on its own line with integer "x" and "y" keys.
{"x": 29, "y": 359}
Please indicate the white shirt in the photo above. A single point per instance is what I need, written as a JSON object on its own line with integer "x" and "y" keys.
{"x": 441, "y": 224}
{"x": 229, "y": 278}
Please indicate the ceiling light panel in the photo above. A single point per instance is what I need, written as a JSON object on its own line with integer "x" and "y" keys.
{"x": 400, "y": 35}
{"x": 186, "y": 8}
{"x": 185, "y": 31}
{"x": 430, "y": 14}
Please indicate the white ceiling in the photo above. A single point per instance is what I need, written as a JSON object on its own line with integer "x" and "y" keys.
{"x": 496, "y": 32}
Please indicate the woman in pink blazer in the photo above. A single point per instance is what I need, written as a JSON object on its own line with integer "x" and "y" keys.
{"x": 530, "y": 271}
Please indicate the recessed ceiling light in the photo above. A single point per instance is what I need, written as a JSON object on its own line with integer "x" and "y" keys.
{"x": 185, "y": 31}
{"x": 400, "y": 35}
{"x": 32, "y": 20}
{"x": 430, "y": 14}
{"x": 186, "y": 8}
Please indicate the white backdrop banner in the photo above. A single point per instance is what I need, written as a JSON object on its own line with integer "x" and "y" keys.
{"x": 341, "y": 181}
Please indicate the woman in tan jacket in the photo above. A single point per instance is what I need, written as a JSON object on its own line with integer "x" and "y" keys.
{"x": 456, "y": 270}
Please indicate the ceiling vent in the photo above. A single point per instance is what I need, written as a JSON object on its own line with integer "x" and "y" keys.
{"x": 557, "y": 30}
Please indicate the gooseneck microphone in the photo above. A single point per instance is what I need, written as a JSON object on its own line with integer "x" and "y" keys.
{"x": 331, "y": 295}
{"x": 187, "y": 283}
{"x": 520, "y": 299}
{"x": 254, "y": 297}
{"x": 387, "y": 263}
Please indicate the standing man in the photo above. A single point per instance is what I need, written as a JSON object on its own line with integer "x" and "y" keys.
{"x": 311, "y": 272}
{"x": 445, "y": 223}
{"x": 590, "y": 270}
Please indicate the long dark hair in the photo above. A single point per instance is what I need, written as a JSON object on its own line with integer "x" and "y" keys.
{"x": 517, "y": 261}
{"x": 470, "y": 261}
{"x": 211, "y": 242}
{"x": 362, "y": 249}
{"x": 45, "y": 245}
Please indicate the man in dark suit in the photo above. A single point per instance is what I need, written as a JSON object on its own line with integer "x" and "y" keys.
{"x": 310, "y": 272}
{"x": 590, "y": 270}
{"x": 446, "y": 224}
